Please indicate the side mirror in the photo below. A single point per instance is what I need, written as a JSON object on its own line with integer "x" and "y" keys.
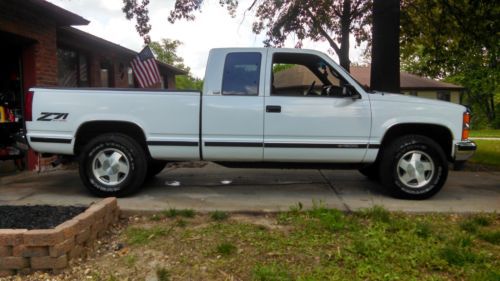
{"x": 349, "y": 91}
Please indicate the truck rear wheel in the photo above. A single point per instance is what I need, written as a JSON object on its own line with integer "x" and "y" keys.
{"x": 413, "y": 167}
{"x": 113, "y": 165}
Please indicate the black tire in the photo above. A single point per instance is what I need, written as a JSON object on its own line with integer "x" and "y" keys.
{"x": 129, "y": 154}
{"x": 154, "y": 168}
{"x": 432, "y": 168}
{"x": 371, "y": 171}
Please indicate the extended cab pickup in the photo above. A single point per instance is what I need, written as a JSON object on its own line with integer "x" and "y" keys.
{"x": 259, "y": 106}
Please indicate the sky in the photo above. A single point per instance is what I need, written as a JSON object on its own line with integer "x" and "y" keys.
{"x": 212, "y": 28}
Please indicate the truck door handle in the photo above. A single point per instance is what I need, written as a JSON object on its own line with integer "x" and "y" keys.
{"x": 273, "y": 108}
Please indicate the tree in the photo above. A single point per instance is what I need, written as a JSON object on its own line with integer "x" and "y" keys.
{"x": 330, "y": 20}
{"x": 166, "y": 51}
{"x": 385, "y": 46}
{"x": 456, "y": 41}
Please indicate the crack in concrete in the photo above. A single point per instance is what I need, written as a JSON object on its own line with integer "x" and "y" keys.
{"x": 337, "y": 193}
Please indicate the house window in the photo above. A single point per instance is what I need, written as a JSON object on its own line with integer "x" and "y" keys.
{"x": 107, "y": 74}
{"x": 72, "y": 68}
{"x": 443, "y": 95}
{"x": 130, "y": 77}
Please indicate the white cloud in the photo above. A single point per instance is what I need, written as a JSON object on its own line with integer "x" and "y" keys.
{"x": 212, "y": 28}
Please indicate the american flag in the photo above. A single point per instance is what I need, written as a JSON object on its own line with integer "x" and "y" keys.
{"x": 145, "y": 69}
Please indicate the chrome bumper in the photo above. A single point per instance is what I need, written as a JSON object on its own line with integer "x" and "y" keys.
{"x": 464, "y": 150}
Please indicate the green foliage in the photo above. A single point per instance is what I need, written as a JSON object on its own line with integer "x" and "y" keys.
{"x": 317, "y": 20}
{"x": 281, "y": 66}
{"x": 166, "y": 51}
{"x": 453, "y": 40}
{"x": 485, "y": 133}
{"x": 226, "y": 249}
{"x": 488, "y": 153}
{"x": 187, "y": 82}
{"x": 219, "y": 215}
{"x": 271, "y": 272}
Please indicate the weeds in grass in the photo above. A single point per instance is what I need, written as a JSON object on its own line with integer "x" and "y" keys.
{"x": 271, "y": 272}
{"x": 112, "y": 278}
{"x": 296, "y": 208}
{"x": 492, "y": 237}
{"x": 482, "y": 220}
{"x": 377, "y": 213}
{"x": 459, "y": 256}
{"x": 226, "y": 249}
{"x": 219, "y": 215}
{"x": 141, "y": 236}
{"x": 283, "y": 219}
{"x": 181, "y": 223}
{"x": 155, "y": 217}
{"x": 172, "y": 213}
{"x": 162, "y": 274}
{"x": 486, "y": 275}
{"x": 458, "y": 251}
{"x": 423, "y": 229}
{"x": 130, "y": 260}
{"x": 469, "y": 226}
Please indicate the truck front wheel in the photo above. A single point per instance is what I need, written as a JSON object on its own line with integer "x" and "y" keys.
{"x": 113, "y": 165}
{"x": 413, "y": 167}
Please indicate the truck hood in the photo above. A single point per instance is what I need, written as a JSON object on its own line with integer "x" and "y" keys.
{"x": 399, "y": 98}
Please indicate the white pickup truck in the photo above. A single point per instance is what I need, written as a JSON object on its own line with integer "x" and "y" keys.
{"x": 259, "y": 107}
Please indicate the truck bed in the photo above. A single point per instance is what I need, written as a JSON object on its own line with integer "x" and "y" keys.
{"x": 166, "y": 116}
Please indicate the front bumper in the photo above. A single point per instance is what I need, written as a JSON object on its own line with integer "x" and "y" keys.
{"x": 464, "y": 150}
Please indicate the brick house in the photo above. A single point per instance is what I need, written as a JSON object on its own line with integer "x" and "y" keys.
{"x": 41, "y": 48}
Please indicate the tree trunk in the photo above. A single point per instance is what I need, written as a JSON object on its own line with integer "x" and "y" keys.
{"x": 385, "y": 46}
{"x": 345, "y": 23}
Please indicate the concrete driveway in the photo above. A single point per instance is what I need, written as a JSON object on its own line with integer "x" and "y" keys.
{"x": 249, "y": 190}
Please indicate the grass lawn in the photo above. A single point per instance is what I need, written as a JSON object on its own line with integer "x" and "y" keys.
{"x": 485, "y": 133}
{"x": 320, "y": 244}
{"x": 488, "y": 153}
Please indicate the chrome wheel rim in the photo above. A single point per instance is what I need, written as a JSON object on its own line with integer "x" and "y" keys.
{"x": 415, "y": 169}
{"x": 110, "y": 166}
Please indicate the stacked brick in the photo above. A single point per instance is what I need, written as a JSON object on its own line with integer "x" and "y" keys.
{"x": 24, "y": 251}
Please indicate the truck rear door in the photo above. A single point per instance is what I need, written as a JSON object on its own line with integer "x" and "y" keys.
{"x": 233, "y": 109}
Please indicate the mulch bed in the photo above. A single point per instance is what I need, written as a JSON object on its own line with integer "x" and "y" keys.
{"x": 37, "y": 216}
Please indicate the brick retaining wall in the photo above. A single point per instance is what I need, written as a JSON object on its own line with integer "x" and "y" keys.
{"x": 24, "y": 251}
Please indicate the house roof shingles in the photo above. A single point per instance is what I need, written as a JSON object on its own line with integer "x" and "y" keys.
{"x": 408, "y": 81}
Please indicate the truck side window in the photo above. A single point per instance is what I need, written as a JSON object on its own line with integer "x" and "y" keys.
{"x": 304, "y": 75}
{"x": 241, "y": 74}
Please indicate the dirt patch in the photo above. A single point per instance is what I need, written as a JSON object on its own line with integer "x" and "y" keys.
{"x": 37, "y": 217}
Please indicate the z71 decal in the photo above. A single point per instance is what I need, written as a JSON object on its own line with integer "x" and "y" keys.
{"x": 52, "y": 116}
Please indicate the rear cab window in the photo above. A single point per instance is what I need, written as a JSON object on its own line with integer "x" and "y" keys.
{"x": 241, "y": 74}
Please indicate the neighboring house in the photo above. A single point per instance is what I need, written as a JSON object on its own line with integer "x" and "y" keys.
{"x": 40, "y": 48}
{"x": 415, "y": 85}
{"x": 298, "y": 78}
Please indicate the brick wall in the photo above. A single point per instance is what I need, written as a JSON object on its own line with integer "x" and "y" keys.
{"x": 28, "y": 24}
{"x": 24, "y": 251}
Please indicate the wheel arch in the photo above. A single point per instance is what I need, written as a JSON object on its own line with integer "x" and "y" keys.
{"x": 439, "y": 133}
{"x": 89, "y": 130}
